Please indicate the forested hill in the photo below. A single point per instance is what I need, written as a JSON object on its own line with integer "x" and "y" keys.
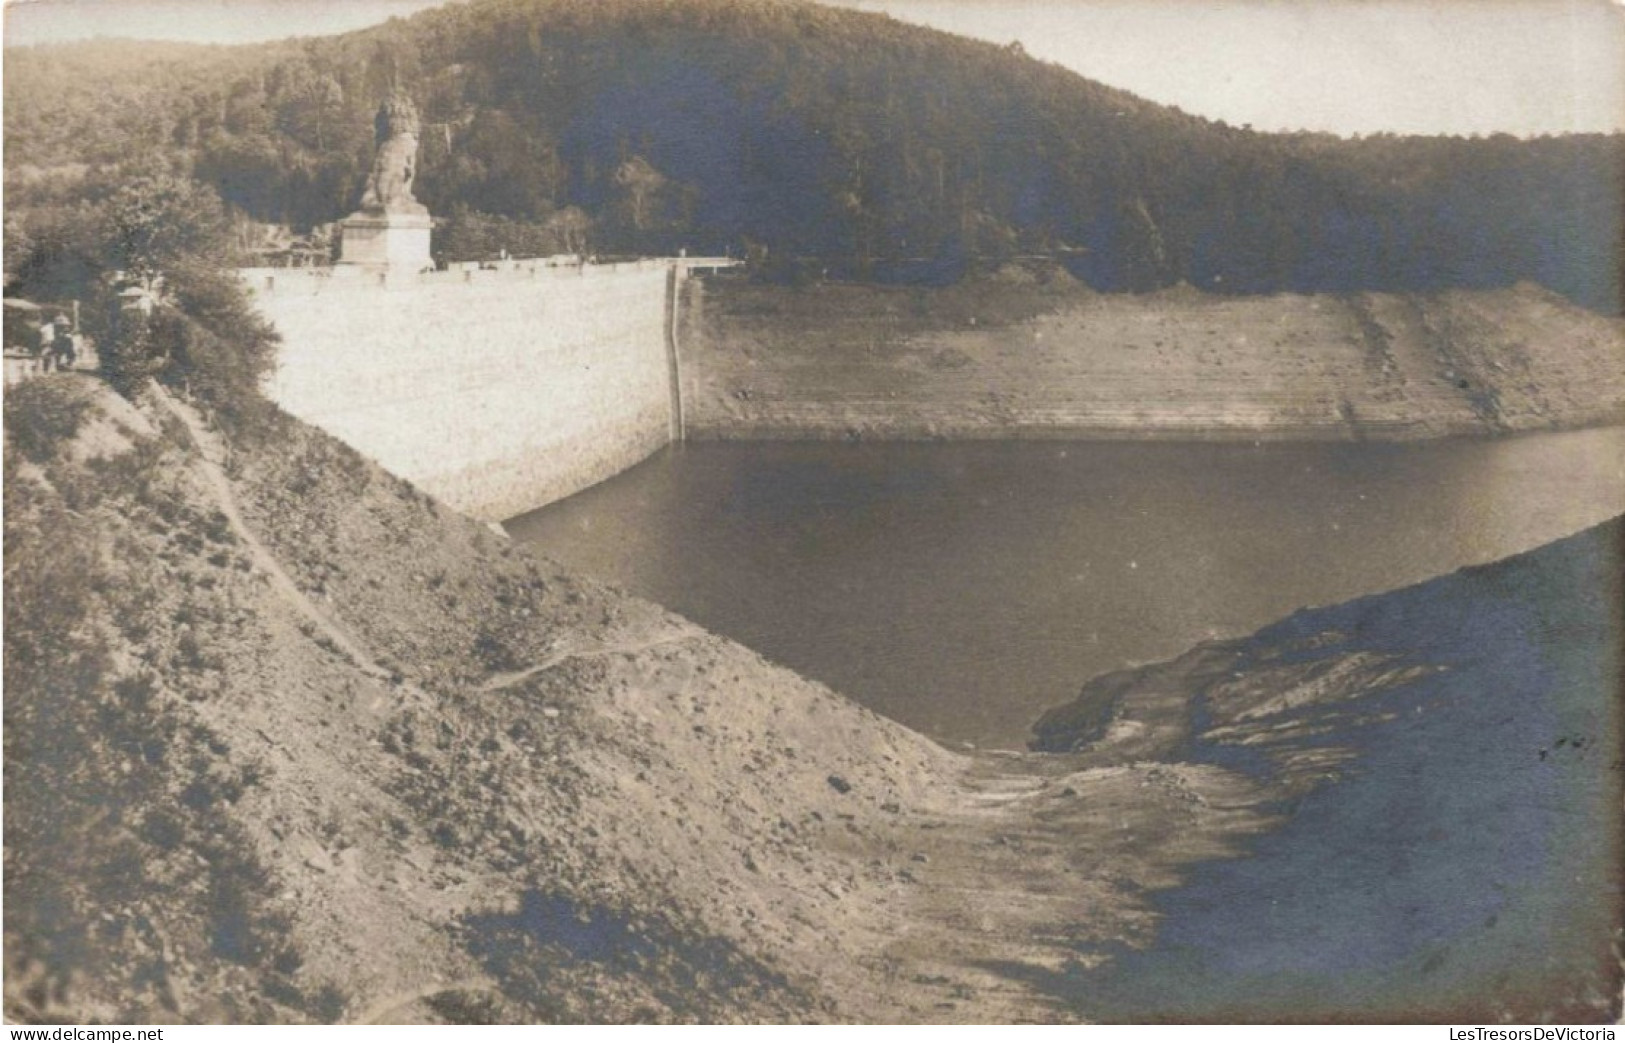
{"x": 818, "y": 139}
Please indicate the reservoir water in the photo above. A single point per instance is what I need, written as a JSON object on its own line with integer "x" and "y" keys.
{"x": 1467, "y": 866}
{"x": 964, "y": 588}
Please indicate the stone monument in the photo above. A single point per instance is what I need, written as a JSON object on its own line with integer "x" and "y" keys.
{"x": 390, "y": 232}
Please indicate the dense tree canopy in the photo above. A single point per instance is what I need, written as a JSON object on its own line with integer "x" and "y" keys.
{"x": 170, "y": 238}
{"x": 868, "y": 147}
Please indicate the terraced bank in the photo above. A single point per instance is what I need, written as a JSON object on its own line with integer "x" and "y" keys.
{"x": 1032, "y": 355}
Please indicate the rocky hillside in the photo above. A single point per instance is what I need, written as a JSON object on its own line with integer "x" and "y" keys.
{"x": 287, "y": 741}
{"x": 1029, "y": 352}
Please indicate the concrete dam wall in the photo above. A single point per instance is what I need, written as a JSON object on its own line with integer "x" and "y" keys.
{"x": 497, "y": 391}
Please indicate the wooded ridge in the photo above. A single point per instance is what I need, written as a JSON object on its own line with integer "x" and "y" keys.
{"x": 820, "y": 142}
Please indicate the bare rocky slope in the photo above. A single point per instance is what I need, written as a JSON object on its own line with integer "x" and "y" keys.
{"x": 287, "y": 740}
{"x": 1029, "y": 352}
{"x": 1449, "y": 758}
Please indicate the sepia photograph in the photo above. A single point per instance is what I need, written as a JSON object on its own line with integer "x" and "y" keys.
{"x": 767, "y": 512}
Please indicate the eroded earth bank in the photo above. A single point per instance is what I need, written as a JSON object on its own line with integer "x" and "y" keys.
{"x": 1029, "y": 352}
{"x": 287, "y": 740}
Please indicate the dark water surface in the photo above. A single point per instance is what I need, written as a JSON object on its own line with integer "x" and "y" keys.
{"x": 965, "y": 588}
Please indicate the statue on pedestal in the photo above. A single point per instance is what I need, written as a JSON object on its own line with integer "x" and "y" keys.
{"x": 391, "y": 231}
{"x": 389, "y": 186}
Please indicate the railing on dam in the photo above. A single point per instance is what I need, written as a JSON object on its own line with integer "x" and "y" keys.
{"x": 562, "y": 267}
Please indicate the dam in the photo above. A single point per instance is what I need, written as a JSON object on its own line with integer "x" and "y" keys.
{"x": 496, "y": 388}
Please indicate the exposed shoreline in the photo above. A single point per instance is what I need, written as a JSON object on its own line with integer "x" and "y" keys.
{"x": 832, "y": 431}
{"x": 1438, "y": 732}
{"x": 1021, "y": 355}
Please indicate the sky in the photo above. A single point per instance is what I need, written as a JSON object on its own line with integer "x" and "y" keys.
{"x": 1347, "y": 66}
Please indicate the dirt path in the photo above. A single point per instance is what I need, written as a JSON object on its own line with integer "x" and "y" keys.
{"x": 498, "y": 682}
{"x": 209, "y": 452}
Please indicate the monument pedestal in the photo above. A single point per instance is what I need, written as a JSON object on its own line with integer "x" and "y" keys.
{"x": 386, "y": 242}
